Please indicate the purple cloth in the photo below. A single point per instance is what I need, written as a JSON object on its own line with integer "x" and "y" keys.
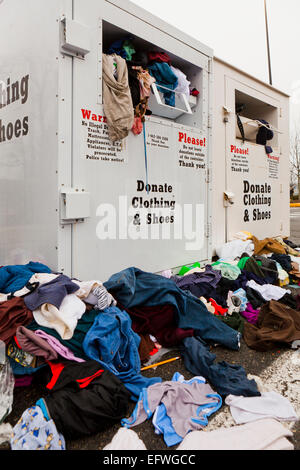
{"x": 58, "y": 347}
{"x": 210, "y": 276}
{"x": 34, "y": 345}
{"x": 52, "y": 292}
{"x": 250, "y": 314}
{"x": 24, "y": 381}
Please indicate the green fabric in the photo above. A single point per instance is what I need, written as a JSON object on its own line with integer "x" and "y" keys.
{"x": 229, "y": 271}
{"x": 129, "y": 49}
{"x": 235, "y": 321}
{"x": 242, "y": 262}
{"x": 252, "y": 266}
{"x": 75, "y": 343}
{"x": 185, "y": 269}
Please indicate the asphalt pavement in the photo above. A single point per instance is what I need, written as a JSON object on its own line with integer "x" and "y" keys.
{"x": 277, "y": 370}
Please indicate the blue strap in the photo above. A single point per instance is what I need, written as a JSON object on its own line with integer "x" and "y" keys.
{"x": 146, "y": 160}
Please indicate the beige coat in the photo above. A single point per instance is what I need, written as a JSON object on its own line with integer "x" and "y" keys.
{"x": 117, "y": 100}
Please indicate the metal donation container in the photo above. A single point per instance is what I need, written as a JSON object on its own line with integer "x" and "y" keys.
{"x": 250, "y": 154}
{"x": 192, "y": 178}
{"x": 70, "y": 197}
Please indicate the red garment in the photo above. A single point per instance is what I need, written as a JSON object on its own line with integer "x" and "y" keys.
{"x": 218, "y": 309}
{"x": 137, "y": 127}
{"x": 13, "y": 313}
{"x": 159, "y": 321}
{"x": 159, "y": 57}
{"x": 154, "y": 351}
{"x": 195, "y": 92}
{"x": 72, "y": 369}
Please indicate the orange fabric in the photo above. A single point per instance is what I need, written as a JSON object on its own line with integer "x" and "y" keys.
{"x": 268, "y": 245}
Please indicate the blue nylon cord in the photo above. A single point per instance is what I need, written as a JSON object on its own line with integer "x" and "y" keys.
{"x": 146, "y": 159}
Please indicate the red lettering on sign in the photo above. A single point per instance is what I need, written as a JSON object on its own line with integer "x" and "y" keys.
{"x": 87, "y": 114}
{"x": 183, "y": 137}
{"x": 235, "y": 149}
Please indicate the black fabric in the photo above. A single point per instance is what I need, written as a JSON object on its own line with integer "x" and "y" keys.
{"x": 72, "y": 371}
{"x": 225, "y": 285}
{"x": 134, "y": 84}
{"x": 225, "y": 378}
{"x": 263, "y": 135}
{"x": 269, "y": 268}
{"x": 291, "y": 244}
{"x": 252, "y": 267}
{"x": 254, "y": 297}
{"x": 240, "y": 126}
{"x": 85, "y": 411}
{"x": 139, "y": 59}
{"x": 290, "y": 300}
{"x": 284, "y": 261}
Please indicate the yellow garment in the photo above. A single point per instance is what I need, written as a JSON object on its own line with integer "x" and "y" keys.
{"x": 243, "y": 235}
{"x": 284, "y": 282}
{"x": 289, "y": 250}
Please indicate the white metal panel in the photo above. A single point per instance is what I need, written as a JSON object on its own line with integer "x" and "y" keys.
{"x": 28, "y": 160}
{"x": 227, "y": 221}
{"x": 114, "y": 181}
{"x": 65, "y": 144}
{"x": 258, "y": 181}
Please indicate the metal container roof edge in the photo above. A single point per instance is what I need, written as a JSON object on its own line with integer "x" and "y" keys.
{"x": 156, "y": 22}
{"x": 190, "y": 41}
{"x": 282, "y": 92}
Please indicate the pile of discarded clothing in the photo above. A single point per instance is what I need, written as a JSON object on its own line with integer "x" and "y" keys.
{"x": 128, "y": 76}
{"x": 89, "y": 340}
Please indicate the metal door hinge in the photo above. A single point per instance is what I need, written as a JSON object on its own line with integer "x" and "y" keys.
{"x": 208, "y": 175}
{"x": 209, "y": 121}
{"x": 75, "y": 38}
{"x": 209, "y": 66}
{"x": 74, "y": 205}
{"x": 208, "y": 230}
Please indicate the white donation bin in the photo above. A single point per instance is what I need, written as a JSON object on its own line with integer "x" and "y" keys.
{"x": 250, "y": 149}
{"x": 70, "y": 197}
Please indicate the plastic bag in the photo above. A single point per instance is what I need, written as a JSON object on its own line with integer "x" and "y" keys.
{"x": 7, "y": 383}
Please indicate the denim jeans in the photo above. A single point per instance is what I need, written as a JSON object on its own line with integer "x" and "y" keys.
{"x": 112, "y": 342}
{"x": 133, "y": 287}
